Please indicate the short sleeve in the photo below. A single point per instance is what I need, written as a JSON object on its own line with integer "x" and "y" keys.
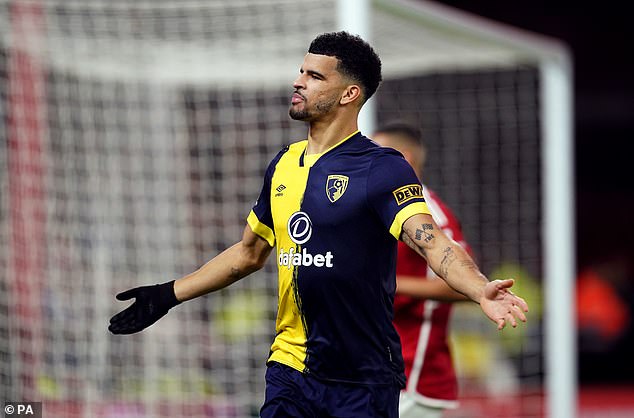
{"x": 394, "y": 191}
{"x": 260, "y": 219}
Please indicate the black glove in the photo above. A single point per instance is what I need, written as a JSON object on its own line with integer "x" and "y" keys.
{"x": 151, "y": 304}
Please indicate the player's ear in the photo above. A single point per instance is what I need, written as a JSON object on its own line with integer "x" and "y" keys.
{"x": 350, "y": 94}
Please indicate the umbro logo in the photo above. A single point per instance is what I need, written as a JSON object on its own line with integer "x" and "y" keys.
{"x": 280, "y": 189}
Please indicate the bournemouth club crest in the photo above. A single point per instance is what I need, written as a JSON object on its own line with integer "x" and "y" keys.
{"x": 336, "y": 186}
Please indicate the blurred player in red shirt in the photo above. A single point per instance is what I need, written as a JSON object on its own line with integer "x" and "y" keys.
{"x": 422, "y": 304}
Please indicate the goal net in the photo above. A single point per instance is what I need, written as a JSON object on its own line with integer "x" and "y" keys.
{"x": 481, "y": 129}
{"x": 133, "y": 140}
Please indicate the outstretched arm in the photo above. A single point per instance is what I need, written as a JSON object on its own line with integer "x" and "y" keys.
{"x": 153, "y": 302}
{"x": 231, "y": 265}
{"x": 452, "y": 263}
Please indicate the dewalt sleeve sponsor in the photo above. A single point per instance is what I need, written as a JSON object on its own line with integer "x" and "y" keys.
{"x": 406, "y": 193}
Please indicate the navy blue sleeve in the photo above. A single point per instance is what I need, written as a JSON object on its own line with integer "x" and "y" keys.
{"x": 394, "y": 191}
{"x": 261, "y": 219}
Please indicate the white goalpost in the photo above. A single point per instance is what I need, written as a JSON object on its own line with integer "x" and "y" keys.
{"x": 133, "y": 140}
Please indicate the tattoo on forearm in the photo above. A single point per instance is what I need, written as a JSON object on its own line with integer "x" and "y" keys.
{"x": 423, "y": 234}
{"x": 449, "y": 256}
{"x": 412, "y": 244}
{"x": 235, "y": 273}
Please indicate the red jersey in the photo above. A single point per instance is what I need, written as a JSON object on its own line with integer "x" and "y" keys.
{"x": 423, "y": 324}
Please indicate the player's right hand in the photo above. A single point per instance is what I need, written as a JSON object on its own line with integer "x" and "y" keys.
{"x": 151, "y": 304}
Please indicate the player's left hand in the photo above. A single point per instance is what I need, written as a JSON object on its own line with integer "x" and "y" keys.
{"x": 501, "y": 305}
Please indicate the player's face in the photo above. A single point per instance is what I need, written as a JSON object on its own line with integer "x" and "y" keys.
{"x": 318, "y": 88}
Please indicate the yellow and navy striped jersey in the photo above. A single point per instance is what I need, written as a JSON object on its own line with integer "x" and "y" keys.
{"x": 335, "y": 219}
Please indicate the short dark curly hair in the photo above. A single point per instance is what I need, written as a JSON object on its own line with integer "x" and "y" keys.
{"x": 356, "y": 57}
